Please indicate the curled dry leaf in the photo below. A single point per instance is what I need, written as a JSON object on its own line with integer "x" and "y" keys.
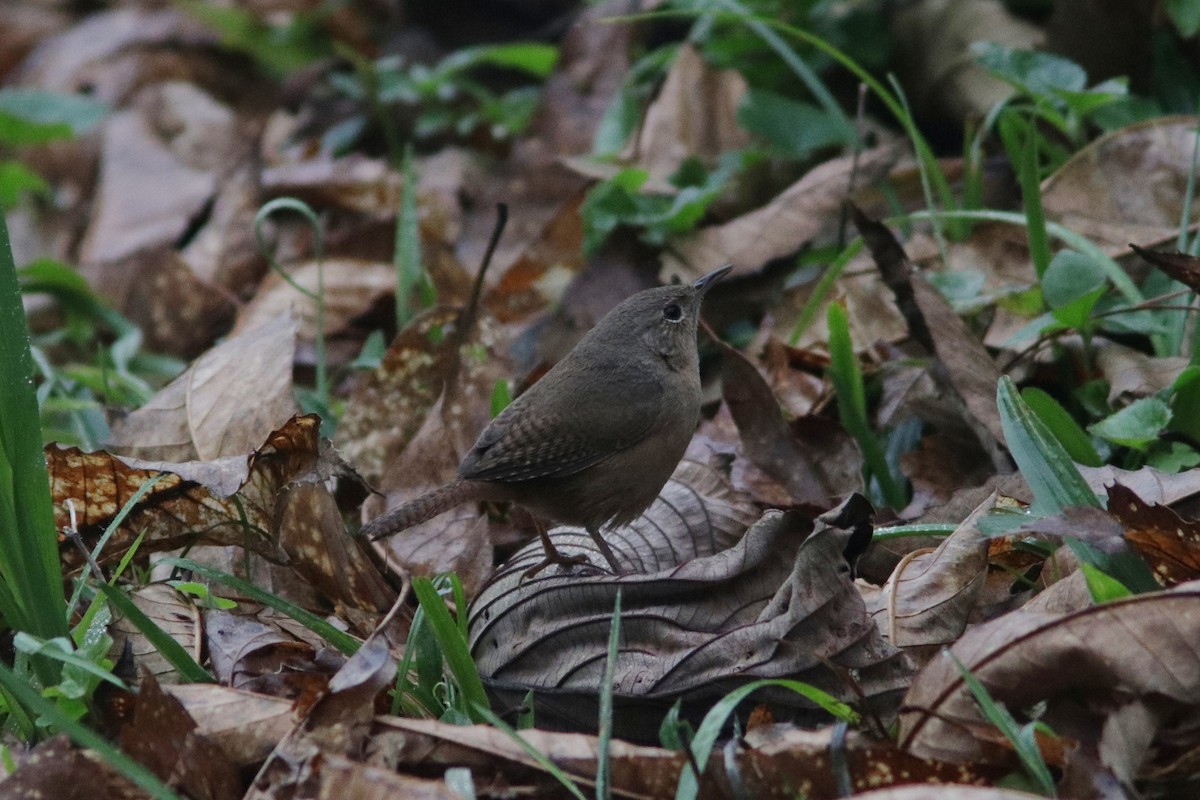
{"x": 243, "y": 649}
{"x": 931, "y": 593}
{"x": 697, "y": 514}
{"x": 770, "y": 606}
{"x": 1079, "y": 665}
{"x": 225, "y": 404}
{"x": 335, "y": 725}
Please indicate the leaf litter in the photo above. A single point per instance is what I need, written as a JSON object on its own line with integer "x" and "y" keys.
{"x": 725, "y": 589}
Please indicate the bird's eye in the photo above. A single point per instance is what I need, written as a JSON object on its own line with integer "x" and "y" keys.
{"x": 672, "y": 312}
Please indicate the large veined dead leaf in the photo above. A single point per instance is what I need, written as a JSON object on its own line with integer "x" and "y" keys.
{"x": 1081, "y": 666}
{"x": 770, "y": 606}
{"x": 225, "y": 404}
{"x": 173, "y": 614}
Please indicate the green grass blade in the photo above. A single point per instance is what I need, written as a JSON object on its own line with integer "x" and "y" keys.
{"x": 1064, "y": 427}
{"x": 454, "y": 646}
{"x": 852, "y": 406}
{"x": 714, "y": 722}
{"x": 605, "y": 727}
{"x": 344, "y": 642}
{"x": 29, "y": 563}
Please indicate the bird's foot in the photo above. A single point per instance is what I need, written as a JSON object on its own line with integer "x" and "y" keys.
{"x": 554, "y": 558}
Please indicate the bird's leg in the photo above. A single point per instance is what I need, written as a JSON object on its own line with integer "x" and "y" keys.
{"x": 553, "y": 556}
{"x": 605, "y": 551}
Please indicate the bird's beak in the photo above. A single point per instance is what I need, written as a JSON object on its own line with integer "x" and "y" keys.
{"x": 708, "y": 280}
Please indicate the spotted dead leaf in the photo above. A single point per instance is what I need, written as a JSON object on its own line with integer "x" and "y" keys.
{"x": 771, "y": 605}
{"x": 1169, "y": 543}
{"x": 385, "y": 410}
{"x": 162, "y": 736}
{"x": 226, "y": 403}
{"x": 269, "y": 502}
{"x": 58, "y": 768}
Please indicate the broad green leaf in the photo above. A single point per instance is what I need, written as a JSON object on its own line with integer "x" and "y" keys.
{"x": 793, "y": 128}
{"x": 1071, "y": 276}
{"x": 1063, "y": 426}
{"x": 1036, "y": 73}
{"x": 1103, "y": 587}
{"x": 1184, "y": 15}
{"x": 1137, "y": 425}
{"x": 1045, "y": 464}
{"x": 34, "y": 116}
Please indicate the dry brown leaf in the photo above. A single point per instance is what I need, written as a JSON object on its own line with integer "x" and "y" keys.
{"x": 351, "y": 287}
{"x": 693, "y": 116}
{"x": 785, "y": 758}
{"x": 1128, "y": 186}
{"x": 1139, "y": 647}
{"x": 931, "y": 594}
{"x": 226, "y": 403}
{"x": 409, "y": 744}
{"x": 132, "y": 212}
{"x": 770, "y": 606}
{"x": 355, "y": 182}
{"x": 245, "y": 725}
{"x": 766, "y": 438}
{"x": 174, "y": 614}
{"x": 1169, "y": 543}
{"x": 163, "y": 738}
{"x": 968, "y": 367}
{"x": 946, "y": 792}
{"x": 335, "y": 725}
{"x": 806, "y": 211}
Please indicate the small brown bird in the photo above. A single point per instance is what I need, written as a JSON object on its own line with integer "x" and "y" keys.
{"x": 592, "y": 442}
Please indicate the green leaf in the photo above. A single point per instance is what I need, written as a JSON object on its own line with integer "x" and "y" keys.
{"x": 1071, "y": 286}
{"x": 36, "y": 116}
{"x": 1124, "y": 565}
{"x": 1063, "y": 426}
{"x": 1137, "y": 425}
{"x": 1185, "y": 403}
{"x": 1036, "y": 73}
{"x": 1045, "y": 464}
{"x": 1184, "y": 15}
{"x": 535, "y": 59}
{"x": 453, "y": 645}
{"x": 1103, "y": 587}
{"x": 795, "y": 129}
{"x": 17, "y": 179}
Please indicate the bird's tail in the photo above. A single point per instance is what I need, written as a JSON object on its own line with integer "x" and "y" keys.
{"x": 421, "y": 509}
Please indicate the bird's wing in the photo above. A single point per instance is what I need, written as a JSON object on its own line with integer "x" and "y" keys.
{"x": 596, "y": 421}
